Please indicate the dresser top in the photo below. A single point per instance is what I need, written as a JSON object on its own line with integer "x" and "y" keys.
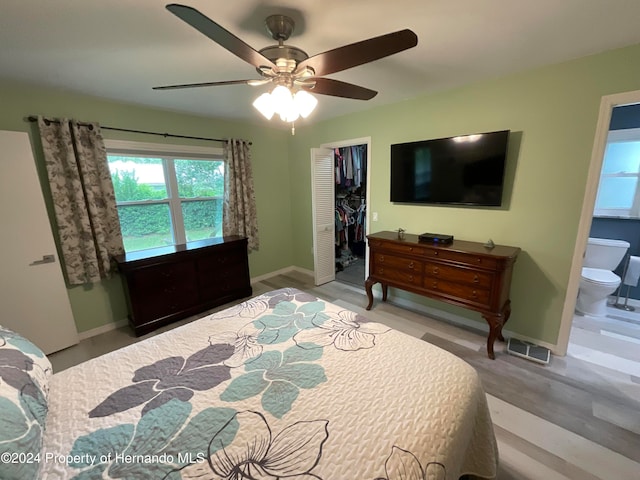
{"x": 172, "y": 249}
{"x": 462, "y": 246}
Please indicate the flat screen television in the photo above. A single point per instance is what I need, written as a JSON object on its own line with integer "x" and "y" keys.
{"x": 464, "y": 170}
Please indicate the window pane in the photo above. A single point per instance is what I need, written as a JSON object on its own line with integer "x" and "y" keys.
{"x": 621, "y": 157}
{"x": 616, "y": 192}
{"x": 145, "y": 226}
{"x": 137, "y": 178}
{"x": 200, "y": 178}
{"x": 202, "y": 219}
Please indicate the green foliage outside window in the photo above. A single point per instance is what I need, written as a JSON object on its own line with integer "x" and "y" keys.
{"x": 127, "y": 188}
{"x": 200, "y": 187}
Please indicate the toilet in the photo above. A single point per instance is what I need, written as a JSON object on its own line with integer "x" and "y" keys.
{"x": 598, "y": 281}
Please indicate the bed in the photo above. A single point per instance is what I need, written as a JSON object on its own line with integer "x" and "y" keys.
{"x": 281, "y": 386}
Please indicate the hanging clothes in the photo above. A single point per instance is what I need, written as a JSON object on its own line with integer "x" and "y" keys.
{"x": 356, "y": 161}
{"x": 350, "y": 213}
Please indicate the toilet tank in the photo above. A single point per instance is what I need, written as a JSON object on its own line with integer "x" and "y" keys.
{"x": 604, "y": 253}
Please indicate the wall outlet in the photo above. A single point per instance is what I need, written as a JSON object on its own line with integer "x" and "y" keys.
{"x": 374, "y": 216}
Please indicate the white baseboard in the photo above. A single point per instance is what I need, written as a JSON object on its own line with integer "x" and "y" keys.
{"x": 282, "y": 271}
{"x": 401, "y": 302}
{"x": 480, "y": 325}
{"x": 632, "y": 302}
{"x": 102, "y": 329}
{"x": 121, "y": 323}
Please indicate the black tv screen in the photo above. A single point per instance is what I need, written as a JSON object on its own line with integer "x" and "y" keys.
{"x": 464, "y": 170}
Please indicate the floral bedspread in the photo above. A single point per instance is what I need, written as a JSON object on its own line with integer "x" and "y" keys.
{"x": 282, "y": 386}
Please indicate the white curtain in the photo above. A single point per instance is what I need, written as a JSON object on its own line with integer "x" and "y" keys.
{"x": 239, "y": 212}
{"x": 88, "y": 227}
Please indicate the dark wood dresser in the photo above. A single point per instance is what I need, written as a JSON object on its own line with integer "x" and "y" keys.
{"x": 466, "y": 274}
{"x": 169, "y": 283}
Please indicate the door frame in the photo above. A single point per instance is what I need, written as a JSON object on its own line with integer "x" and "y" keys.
{"x": 367, "y": 224}
{"x": 607, "y": 103}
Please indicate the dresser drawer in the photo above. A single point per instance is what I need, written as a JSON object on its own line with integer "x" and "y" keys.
{"x": 158, "y": 280}
{"x": 401, "y": 263}
{"x": 461, "y": 292}
{"x": 172, "y": 300}
{"x": 408, "y": 249}
{"x": 470, "y": 259}
{"x": 228, "y": 257}
{"x": 222, "y": 281}
{"x": 390, "y": 274}
{"x": 458, "y": 274}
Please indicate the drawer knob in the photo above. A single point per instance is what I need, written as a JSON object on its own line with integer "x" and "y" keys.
{"x": 479, "y": 260}
{"x": 382, "y": 258}
{"x": 474, "y": 294}
{"x": 476, "y": 279}
{"x": 411, "y": 249}
{"x": 411, "y": 265}
{"x": 436, "y": 270}
{"x": 435, "y": 253}
{"x": 381, "y": 271}
{"x": 411, "y": 278}
{"x": 434, "y": 284}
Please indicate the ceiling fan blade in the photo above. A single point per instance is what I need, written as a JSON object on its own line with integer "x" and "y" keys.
{"x": 212, "y": 84}
{"x": 336, "y": 88}
{"x": 219, "y": 35}
{"x": 359, "y": 53}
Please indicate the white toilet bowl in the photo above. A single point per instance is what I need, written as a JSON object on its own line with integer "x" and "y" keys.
{"x": 595, "y": 286}
{"x": 598, "y": 281}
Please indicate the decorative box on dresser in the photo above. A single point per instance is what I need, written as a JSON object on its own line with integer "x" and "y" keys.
{"x": 166, "y": 284}
{"x": 467, "y": 274}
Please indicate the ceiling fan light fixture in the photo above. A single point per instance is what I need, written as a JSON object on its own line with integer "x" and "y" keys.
{"x": 290, "y": 115}
{"x": 305, "y": 103}
{"x": 281, "y": 96}
{"x": 288, "y": 106}
{"x": 291, "y": 67}
{"x": 265, "y": 105}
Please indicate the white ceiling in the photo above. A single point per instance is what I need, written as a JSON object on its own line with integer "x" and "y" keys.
{"x": 119, "y": 49}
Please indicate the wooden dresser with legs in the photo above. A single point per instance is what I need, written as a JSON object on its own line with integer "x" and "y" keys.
{"x": 466, "y": 274}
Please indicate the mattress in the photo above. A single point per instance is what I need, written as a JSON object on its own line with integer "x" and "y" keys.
{"x": 281, "y": 386}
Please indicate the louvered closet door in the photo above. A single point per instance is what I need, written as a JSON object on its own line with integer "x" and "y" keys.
{"x": 323, "y": 205}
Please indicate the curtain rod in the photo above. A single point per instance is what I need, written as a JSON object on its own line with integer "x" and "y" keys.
{"x": 33, "y": 118}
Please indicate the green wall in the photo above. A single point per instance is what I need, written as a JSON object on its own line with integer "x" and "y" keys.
{"x": 552, "y": 114}
{"x": 551, "y": 111}
{"x": 103, "y": 303}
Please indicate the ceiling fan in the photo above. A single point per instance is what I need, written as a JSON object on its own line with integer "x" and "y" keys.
{"x": 290, "y": 67}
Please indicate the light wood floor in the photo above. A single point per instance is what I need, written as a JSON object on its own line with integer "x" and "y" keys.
{"x": 576, "y": 418}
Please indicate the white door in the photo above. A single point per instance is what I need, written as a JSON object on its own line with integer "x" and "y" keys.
{"x": 33, "y": 296}
{"x": 322, "y": 201}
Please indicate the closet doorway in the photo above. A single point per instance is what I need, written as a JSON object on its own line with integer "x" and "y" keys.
{"x": 340, "y": 249}
{"x": 350, "y": 213}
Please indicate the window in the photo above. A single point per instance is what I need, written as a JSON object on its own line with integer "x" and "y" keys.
{"x": 618, "y": 192}
{"x": 166, "y": 194}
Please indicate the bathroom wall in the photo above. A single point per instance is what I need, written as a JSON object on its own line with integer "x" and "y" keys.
{"x": 623, "y": 117}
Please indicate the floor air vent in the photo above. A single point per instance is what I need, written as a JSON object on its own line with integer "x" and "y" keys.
{"x": 528, "y": 350}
